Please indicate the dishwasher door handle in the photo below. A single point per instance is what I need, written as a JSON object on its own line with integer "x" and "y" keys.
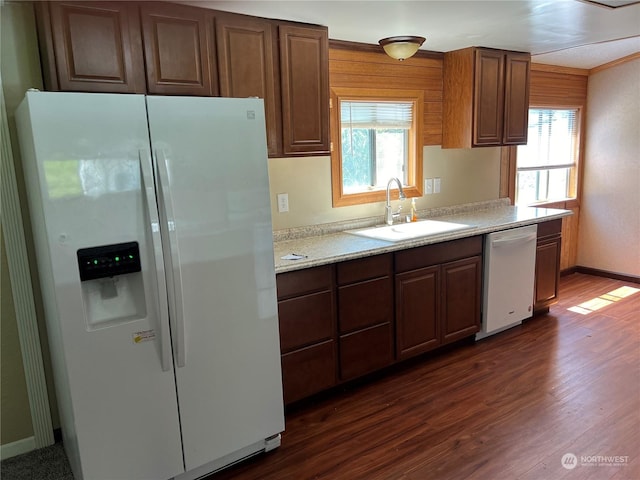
{"x": 510, "y": 241}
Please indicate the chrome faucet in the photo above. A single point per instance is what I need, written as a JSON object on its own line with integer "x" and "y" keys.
{"x": 389, "y": 215}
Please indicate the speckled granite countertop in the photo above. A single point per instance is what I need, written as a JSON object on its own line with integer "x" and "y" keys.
{"x": 328, "y": 243}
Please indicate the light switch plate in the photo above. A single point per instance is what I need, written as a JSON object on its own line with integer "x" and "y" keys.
{"x": 436, "y": 185}
{"x": 428, "y": 186}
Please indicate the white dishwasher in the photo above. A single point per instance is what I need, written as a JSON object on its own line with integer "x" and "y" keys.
{"x": 509, "y": 275}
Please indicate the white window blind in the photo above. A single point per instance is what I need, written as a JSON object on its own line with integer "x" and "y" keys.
{"x": 356, "y": 114}
{"x": 551, "y": 142}
{"x": 546, "y": 165}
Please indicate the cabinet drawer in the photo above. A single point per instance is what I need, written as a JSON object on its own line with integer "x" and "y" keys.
{"x": 438, "y": 253}
{"x": 305, "y": 320}
{"x": 364, "y": 269}
{"x": 308, "y": 371}
{"x": 304, "y": 281}
{"x": 550, "y": 228}
{"x": 365, "y": 304}
{"x": 365, "y": 351}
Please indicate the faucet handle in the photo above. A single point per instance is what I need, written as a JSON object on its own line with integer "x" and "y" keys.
{"x": 397, "y": 215}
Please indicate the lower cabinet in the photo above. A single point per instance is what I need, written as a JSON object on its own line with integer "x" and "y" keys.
{"x": 307, "y": 316}
{"x": 461, "y": 298}
{"x": 308, "y": 370}
{"x": 417, "y": 311}
{"x": 339, "y": 322}
{"x": 365, "y": 315}
{"x": 547, "y": 265}
{"x": 342, "y": 321}
{"x": 438, "y": 295}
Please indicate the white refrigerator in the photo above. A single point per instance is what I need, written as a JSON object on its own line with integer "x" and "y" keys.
{"x": 152, "y": 225}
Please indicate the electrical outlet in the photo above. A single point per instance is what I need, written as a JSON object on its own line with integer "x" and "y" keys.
{"x": 428, "y": 186}
{"x": 283, "y": 202}
{"x": 436, "y": 185}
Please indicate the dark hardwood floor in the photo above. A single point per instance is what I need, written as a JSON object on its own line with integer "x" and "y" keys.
{"x": 507, "y": 407}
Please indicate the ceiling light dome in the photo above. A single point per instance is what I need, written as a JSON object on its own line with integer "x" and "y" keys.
{"x": 401, "y": 47}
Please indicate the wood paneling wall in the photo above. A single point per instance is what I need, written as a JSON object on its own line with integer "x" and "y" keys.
{"x": 555, "y": 86}
{"x": 563, "y": 87}
{"x": 356, "y": 68}
{"x": 569, "y": 250}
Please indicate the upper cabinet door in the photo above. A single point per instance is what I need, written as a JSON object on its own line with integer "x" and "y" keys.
{"x": 489, "y": 97}
{"x": 247, "y": 57}
{"x": 516, "y": 98}
{"x": 304, "y": 76}
{"x": 178, "y": 49}
{"x": 91, "y": 47}
{"x": 485, "y": 98}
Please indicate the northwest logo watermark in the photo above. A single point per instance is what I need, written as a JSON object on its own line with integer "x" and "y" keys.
{"x": 571, "y": 461}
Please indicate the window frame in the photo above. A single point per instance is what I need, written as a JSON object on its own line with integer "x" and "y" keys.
{"x": 414, "y": 162}
{"x": 574, "y": 184}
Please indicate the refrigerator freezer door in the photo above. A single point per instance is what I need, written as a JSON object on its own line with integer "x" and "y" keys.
{"x": 82, "y": 165}
{"x": 212, "y": 165}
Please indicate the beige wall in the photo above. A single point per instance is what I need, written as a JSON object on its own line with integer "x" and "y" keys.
{"x": 20, "y": 70}
{"x": 609, "y": 235}
{"x": 466, "y": 175}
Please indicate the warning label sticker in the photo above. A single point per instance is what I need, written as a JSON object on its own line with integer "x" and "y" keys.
{"x": 144, "y": 336}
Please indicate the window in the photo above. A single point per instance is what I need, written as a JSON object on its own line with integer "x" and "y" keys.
{"x": 375, "y": 138}
{"x": 547, "y": 166}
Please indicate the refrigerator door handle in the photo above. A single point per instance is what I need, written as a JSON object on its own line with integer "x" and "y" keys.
{"x": 165, "y": 205}
{"x": 163, "y": 311}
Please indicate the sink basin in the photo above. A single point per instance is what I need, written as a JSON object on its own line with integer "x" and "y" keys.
{"x": 407, "y": 231}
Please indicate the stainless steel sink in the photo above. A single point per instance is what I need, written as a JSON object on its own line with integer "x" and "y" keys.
{"x": 408, "y": 231}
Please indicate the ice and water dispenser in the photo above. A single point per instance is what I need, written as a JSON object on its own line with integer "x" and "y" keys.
{"x": 112, "y": 284}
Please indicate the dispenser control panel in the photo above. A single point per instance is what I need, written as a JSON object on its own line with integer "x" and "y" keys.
{"x": 108, "y": 260}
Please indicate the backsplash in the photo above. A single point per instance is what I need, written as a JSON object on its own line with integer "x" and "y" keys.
{"x": 467, "y": 176}
{"x": 328, "y": 228}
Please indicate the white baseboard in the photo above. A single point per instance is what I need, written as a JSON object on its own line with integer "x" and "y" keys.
{"x": 17, "y": 448}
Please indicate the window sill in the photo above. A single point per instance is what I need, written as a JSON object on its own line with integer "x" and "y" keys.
{"x": 560, "y": 203}
{"x": 374, "y": 196}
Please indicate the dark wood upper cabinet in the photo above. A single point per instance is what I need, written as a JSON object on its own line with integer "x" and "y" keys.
{"x": 173, "y": 49}
{"x": 91, "y": 46}
{"x": 248, "y": 66}
{"x": 488, "y": 107}
{"x": 485, "y": 98}
{"x": 516, "y": 98}
{"x": 179, "y": 49}
{"x": 304, "y": 77}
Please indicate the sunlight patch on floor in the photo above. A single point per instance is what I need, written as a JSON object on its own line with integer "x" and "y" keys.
{"x": 603, "y": 300}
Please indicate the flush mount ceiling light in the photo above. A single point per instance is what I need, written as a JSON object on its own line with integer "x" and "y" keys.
{"x": 401, "y": 47}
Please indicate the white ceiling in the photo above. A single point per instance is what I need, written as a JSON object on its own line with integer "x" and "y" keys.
{"x": 572, "y": 33}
